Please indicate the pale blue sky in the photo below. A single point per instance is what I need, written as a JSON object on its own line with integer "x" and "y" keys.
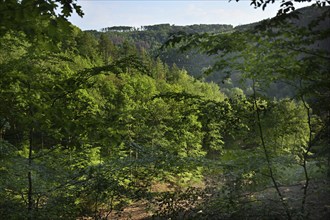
{"x": 107, "y": 13}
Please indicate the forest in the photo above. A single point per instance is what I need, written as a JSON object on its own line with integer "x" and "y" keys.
{"x": 164, "y": 121}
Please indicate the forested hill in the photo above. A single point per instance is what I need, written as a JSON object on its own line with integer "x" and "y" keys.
{"x": 149, "y": 39}
{"x": 196, "y": 28}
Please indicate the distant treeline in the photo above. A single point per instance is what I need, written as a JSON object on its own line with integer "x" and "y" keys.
{"x": 172, "y": 28}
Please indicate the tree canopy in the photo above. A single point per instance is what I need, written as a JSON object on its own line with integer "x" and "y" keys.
{"x": 94, "y": 125}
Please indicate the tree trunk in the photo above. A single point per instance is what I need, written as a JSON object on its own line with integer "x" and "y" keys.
{"x": 30, "y": 186}
{"x": 266, "y": 153}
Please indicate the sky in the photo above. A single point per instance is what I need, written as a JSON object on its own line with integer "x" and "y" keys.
{"x": 107, "y": 13}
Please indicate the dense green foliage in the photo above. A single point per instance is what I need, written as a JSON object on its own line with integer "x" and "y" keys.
{"x": 275, "y": 51}
{"x": 78, "y": 135}
{"x": 91, "y": 122}
{"x": 151, "y": 38}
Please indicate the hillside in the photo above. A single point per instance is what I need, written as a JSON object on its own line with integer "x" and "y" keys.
{"x": 151, "y": 38}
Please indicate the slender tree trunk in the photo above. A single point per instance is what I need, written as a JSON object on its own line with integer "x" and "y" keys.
{"x": 97, "y": 214}
{"x": 96, "y": 208}
{"x": 266, "y": 153}
{"x": 305, "y": 155}
{"x": 30, "y": 186}
{"x": 328, "y": 127}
